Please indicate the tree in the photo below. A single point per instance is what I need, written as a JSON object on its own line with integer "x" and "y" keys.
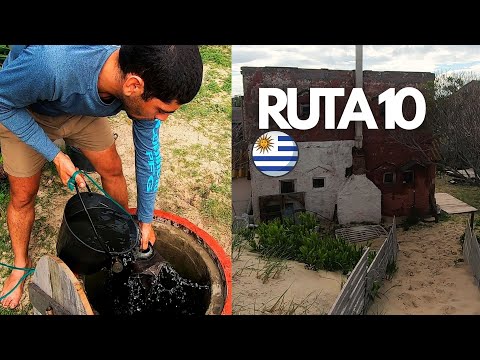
{"x": 450, "y": 133}
{"x": 457, "y": 124}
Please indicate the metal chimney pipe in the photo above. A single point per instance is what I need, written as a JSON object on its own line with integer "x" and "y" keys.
{"x": 358, "y": 84}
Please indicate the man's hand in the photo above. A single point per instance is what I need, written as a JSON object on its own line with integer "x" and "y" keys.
{"x": 147, "y": 235}
{"x": 65, "y": 169}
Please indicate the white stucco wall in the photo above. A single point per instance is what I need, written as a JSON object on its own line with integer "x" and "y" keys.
{"x": 359, "y": 200}
{"x": 327, "y": 159}
{"x": 241, "y": 195}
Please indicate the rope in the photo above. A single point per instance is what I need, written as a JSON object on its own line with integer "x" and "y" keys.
{"x": 28, "y": 272}
{"x": 71, "y": 186}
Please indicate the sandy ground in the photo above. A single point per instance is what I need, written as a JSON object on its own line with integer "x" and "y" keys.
{"x": 289, "y": 289}
{"x": 430, "y": 279}
{"x": 173, "y": 131}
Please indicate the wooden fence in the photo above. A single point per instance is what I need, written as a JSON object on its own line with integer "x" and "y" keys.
{"x": 471, "y": 252}
{"x": 351, "y": 299}
{"x": 359, "y": 291}
{"x": 382, "y": 265}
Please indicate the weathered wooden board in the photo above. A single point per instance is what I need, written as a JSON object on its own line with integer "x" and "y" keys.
{"x": 351, "y": 299}
{"x": 55, "y": 286}
{"x": 451, "y": 205}
{"x": 471, "y": 253}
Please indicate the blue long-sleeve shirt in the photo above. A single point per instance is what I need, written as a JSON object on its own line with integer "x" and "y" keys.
{"x": 62, "y": 79}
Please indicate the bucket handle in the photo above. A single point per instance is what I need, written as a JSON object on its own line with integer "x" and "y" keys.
{"x": 71, "y": 184}
{"x": 97, "y": 237}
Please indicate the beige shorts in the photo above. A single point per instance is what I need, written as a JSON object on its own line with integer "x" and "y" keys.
{"x": 84, "y": 132}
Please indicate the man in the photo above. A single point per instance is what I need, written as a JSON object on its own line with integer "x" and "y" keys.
{"x": 50, "y": 92}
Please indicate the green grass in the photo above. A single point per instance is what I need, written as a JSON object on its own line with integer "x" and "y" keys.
{"x": 469, "y": 194}
{"x": 4, "y": 196}
{"x": 214, "y": 96}
{"x": 205, "y": 164}
{"x": 219, "y": 55}
{"x": 216, "y": 209}
{"x": 6, "y": 255}
{"x": 43, "y": 234}
{"x": 4, "y": 237}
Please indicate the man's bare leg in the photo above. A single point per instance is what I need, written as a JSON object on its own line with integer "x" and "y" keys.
{"x": 20, "y": 218}
{"x": 109, "y": 165}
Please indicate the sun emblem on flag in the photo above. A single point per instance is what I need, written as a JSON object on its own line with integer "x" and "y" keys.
{"x": 264, "y": 143}
{"x": 275, "y": 153}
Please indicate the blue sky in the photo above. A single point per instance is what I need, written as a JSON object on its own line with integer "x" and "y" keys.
{"x": 431, "y": 58}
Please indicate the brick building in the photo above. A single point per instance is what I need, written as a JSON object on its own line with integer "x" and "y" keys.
{"x": 355, "y": 175}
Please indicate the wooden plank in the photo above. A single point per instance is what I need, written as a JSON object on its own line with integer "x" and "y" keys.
{"x": 357, "y": 297}
{"x": 471, "y": 252}
{"x": 41, "y": 276}
{"x": 350, "y": 288}
{"x": 356, "y": 284}
{"x": 378, "y": 268}
{"x": 355, "y": 278}
{"x": 58, "y": 282}
{"x": 41, "y": 301}
{"x": 452, "y": 205}
{"x": 354, "y": 299}
{"x": 475, "y": 258}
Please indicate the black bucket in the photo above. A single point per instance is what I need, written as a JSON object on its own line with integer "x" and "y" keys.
{"x": 79, "y": 160}
{"x": 95, "y": 233}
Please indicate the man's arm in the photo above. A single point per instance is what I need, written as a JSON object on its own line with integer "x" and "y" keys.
{"x": 28, "y": 79}
{"x": 148, "y": 162}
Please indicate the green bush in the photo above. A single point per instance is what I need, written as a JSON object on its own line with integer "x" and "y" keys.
{"x": 329, "y": 253}
{"x": 298, "y": 239}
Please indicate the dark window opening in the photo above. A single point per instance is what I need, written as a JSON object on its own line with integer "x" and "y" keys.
{"x": 319, "y": 182}
{"x": 289, "y": 209}
{"x": 273, "y": 209}
{"x": 348, "y": 171}
{"x": 388, "y": 178}
{"x": 287, "y": 186}
{"x": 408, "y": 177}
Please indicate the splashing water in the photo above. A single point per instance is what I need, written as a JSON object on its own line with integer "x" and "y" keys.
{"x": 129, "y": 293}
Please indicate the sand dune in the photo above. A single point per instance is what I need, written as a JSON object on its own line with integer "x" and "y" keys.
{"x": 431, "y": 277}
{"x": 295, "y": 290}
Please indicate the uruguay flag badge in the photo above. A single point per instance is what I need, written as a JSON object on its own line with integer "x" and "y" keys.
{"x": 275, "y": 153}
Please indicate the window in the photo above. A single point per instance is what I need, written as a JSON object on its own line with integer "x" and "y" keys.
{"x": 318, "y": 182}
{"x": 289, "y": 209}
{"x": 408, "y": 177}
{"x": 348, "y": 171}
{"x": 388, "y": 178}
{"x": 287, "y": 186}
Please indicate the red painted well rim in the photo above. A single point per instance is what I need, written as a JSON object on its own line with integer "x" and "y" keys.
{"x": 211, "y": 243}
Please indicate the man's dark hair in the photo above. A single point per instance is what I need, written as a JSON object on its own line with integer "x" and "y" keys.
{"x": 170, "y": 72}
